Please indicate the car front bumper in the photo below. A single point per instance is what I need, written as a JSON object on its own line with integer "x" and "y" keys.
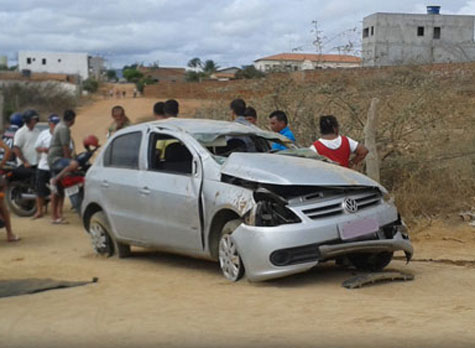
{"x": 258, "y": 246}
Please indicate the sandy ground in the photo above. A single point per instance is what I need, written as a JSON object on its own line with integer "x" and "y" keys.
{"x": 156, "y": 299}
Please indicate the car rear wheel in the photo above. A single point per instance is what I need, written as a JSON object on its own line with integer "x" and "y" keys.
{"x": 371, "y": 262}
{"x": 99, "y": 231}
{"x": 229, "y": 259}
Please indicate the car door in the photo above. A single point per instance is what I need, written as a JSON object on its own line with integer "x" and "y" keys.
{"x": 120, "y": 184}
{"x": 170, "y": 194}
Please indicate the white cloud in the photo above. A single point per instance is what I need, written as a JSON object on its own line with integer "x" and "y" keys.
{"x": 232, "y": 32}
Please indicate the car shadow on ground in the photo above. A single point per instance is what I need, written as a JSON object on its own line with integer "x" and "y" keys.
{"x": 175, "y": 261}
{"x": 325, "y": 273}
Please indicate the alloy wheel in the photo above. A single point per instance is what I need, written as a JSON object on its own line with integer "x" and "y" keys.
{"x": 229, "y": 259}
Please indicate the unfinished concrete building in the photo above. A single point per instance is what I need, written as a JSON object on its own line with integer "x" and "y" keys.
{"x": 402, "y": 39}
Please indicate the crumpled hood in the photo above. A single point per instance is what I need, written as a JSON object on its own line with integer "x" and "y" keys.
{"x": 288, "y": 170}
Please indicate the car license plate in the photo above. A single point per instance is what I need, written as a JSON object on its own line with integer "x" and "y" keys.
{"x": 71, "y": 190}
{"x": 358, "y": 228}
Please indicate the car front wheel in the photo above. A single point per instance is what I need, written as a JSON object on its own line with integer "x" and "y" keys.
{"x": 229, "y": 259}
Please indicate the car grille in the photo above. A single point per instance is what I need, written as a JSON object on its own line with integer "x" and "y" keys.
{"x": 334, "y": 206}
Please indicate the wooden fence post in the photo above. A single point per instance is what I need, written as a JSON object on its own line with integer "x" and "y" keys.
{"x": 1, "y": 112}
{"x": 372, "y": 159}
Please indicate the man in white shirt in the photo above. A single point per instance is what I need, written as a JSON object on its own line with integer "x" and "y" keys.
{"x": 43, "y": 172}
{"x": 25, "y": 139}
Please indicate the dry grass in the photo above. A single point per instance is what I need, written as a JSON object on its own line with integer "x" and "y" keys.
{"x": 426, "y": 131}
{"x": 45, "y": 98}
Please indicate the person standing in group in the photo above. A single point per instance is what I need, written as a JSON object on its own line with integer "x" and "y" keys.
{"x": 171, "y": 108}
{"x": 25, "y": 139}
{"x": 43, "y": 171}
{"x": 60, "y": 161}
{"x": 336, "y": 147}
{"x": 158, "y": 111}
{"x": 4, "y": 213}
{"x": 279, "y": 123}
{"x": 251, "y": 115}
{"x": 238, "y": 107}
{"x": 120, "y": 120}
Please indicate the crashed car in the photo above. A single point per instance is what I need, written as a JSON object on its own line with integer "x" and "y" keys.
{"x": 215, "y": 190}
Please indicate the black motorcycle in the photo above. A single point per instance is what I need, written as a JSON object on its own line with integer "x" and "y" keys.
{"x": 20, "y": 189}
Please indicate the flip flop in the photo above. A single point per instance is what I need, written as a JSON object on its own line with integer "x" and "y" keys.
{"x": 15, "y": 239}
{"x": 37, "y": 217}
{"x": 60, "y": 222}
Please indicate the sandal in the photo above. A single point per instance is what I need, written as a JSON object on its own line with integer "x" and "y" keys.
{"x": 14, "y": 239}
{"x": 59, "y": 221}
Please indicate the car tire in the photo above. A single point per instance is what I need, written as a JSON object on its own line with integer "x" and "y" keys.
{"x": 99, "y": 230}
{"x": 372, "y": 262}
{"x": 229, "y": 260}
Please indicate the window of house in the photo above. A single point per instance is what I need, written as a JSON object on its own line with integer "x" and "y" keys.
{"x": 436, "y": 32}
{"x": 168, "y": 154}
{"x": 43, "y": 61}
{"x": 123, "y": 152}
{"x": 28, "y": 60}
{"x": 365, "y": 32}
{"x": 372, "y": 30}
{"x": 420, "y": 31}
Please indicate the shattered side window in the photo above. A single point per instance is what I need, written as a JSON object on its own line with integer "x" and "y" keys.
{"x": 226, "y": 145}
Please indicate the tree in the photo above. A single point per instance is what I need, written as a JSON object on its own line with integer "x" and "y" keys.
{"x": 249, "y": 72}
{"x": 91, "y": 85}
{"x": 195, "y": 63}
{"x": 200, "y": 70}
{"x": 111, "y": 75}
{"x": 144, "y": 81}
{"x": 132, "y": 75}
{"x": 210, "y": 67}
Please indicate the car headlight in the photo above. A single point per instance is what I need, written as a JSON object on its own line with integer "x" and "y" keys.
{"x": 268, "y": 213}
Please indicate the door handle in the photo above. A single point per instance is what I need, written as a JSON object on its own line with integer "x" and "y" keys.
{"x": 145, "y": 191}
{"x": 105, "y": 184}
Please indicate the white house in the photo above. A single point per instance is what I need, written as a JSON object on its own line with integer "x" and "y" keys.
{"x": 305, "y": 61}
{"x": 54, "y": 63}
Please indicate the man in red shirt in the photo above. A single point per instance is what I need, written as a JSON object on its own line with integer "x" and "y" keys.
{"x": 337, "y": 147}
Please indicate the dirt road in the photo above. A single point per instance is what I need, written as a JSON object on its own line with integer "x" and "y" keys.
{"x": 155, "y": 299}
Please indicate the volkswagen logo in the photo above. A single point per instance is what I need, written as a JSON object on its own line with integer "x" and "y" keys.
{"x": 350, "y": 205}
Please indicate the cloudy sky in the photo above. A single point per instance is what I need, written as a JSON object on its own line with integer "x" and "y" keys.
{"x": 231, "y": 32}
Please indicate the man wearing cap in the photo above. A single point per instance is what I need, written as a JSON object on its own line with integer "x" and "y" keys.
{"x": 43, "y": 172}
{"x": 25, "y": 139}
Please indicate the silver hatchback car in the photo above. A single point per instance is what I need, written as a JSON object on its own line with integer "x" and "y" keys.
{"x": 214, "y": 190}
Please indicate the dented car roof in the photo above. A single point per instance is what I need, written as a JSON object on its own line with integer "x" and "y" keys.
{"x": 207, "y": 131}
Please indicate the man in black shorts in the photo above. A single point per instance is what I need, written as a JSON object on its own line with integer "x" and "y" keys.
{"x": 43, "y": 171}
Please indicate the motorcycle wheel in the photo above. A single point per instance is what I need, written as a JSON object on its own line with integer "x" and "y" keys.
{"x": 18, "y": 205}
